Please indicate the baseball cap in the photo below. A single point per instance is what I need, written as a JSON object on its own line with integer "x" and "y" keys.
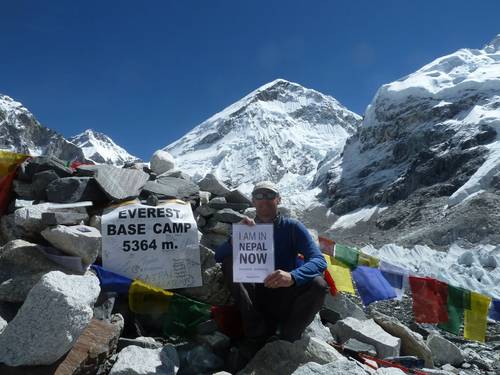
{"x": 268, "y": 185}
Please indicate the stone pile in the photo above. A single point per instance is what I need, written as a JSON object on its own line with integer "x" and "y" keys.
{"x": 54, "y": 319}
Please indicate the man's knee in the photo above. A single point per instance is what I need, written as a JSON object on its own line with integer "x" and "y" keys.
{"x": 319, "y": 285}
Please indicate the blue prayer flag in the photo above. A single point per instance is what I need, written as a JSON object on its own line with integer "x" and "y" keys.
{"x": 110, "y": 281}
{"x": 495, "y": 310}
{"x": 372, "y": 286}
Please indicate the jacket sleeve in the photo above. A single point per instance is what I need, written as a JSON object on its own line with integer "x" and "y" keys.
{"x": 314, "y": 261}
{"x": 223, "y": 251}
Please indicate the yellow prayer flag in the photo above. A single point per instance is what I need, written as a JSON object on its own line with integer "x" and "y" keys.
{"x": 9, "y": 161}
{"x": 341, "y": 275}
{"x": 147, "y": 299}
{"x": 368, "y": 260}
{"x": 475, "y": 319}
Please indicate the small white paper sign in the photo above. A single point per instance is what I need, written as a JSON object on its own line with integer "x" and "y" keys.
{"x": 253, "y": 252}
{"x": 158, "y": 245}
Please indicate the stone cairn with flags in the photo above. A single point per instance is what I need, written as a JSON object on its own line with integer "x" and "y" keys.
{"x": 63, "y": 312}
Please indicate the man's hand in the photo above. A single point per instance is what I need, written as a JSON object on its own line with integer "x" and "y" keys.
{"x": 279, "y": 279}
{"x": 247, "y": 221}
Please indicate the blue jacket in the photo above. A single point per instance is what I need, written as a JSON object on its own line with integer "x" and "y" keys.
{"x": 290, "y": 238}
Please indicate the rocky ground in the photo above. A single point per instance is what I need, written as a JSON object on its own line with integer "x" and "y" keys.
{"x": 56, "y": 319}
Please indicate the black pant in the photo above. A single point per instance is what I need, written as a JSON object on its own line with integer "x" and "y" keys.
{"x": 264, "y": 309}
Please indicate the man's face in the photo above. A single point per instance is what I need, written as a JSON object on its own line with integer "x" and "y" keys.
{"x": 266, "y": 202}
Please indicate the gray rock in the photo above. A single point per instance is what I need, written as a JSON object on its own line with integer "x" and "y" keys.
{"x": 30, "y": 218}
{"x": 40, "y": 182}
{"x": 213, "y": 291}
{"x": 120, "y": 184}
{"x": 218, "y": 227}
{"x": 466, "y": 259}
{"x": 283, "y": 357}
{"x": 63, "y": 218}
{"x": 369, "y": 332}
{"x": 236, "y": 196}
{"x": 74, "y": 189}
{"x": 171, "y": 187}
{"x": 199, "y": 360}
{"x": 240, "y": 207}
{"x": 161, "y": 162}
{"x": 444, "y": 351}
{"x": 207, "y": 327}
{"x": 39, "y": 164}
{"x": 175, "y": 173}
{"x": 450, "y": 368}
{"x": 211, "y": 184}
{"x": 205, "y": 210}
{"x": 23, "y": 189}
{"x": 201, "y": 222}
{"x": 141, "y": 341}
{"x": 360, "y": 347}
{"x": 204, "y": 197}
{"x": 412, "y": 343}
{"x": 341, "y": 367}
{"x": 318, "y": 330}
{"x": 250, "y": 212}
{"x": 487, "y": 261}
{"x": 343, "y": 307}
{"x": 207, "y": 258}
{"x": 78, "y": 240}
{"x": 22, "y": 264}
{"x": 213, "y": 240}
{"x": 142, "y": 361}
{"x": 227, "y": 215}
{"x": 216, "y": 341}
{"x": 3, "y": 324}
{"x": 43, "y": 332}
{"x": 95, "y": 221}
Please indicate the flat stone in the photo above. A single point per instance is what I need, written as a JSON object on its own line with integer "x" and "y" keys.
{"x": 63, "y": 218}
{"x": 228, "y": 216}
{"x": 171, "y": 187}
{"x": 22, "y": 264}
{"x": 450, "y": 368}
{"x": 78, "y": 240}
{"x": 205, "y": 210}
{"x": 360, "y": 347}
{"x": 211, "y": 184}
{"x": 218, "y": 227}
{"x": 40, "y": 182}
{"x": 283, "y": 357}
{"x": 42, "y": 163}
{"x": 236, "y": 196}
{"x": 30, "y": 218}
{"x": 161, "y": 162}
{"x": 74, "y": 189}
{"x": 96, "y": 343}
{"x": 341, "y": 367}
{"x": 444, "y": 351}
{"x": 141, "y": 341}
{"x": 412, "y": 343}
{"x": 318, "y": 330}
{"x": 120, "y": 184}
{"x": 175, "y": 173}
{"x": 343, "y": 308}
{"x": 204, "y": 197}
{"x": 23, "y": 189}
{"x": 369, "y": 332}
{"x": 141, "y": 361}
{"x": 42, "y": 332}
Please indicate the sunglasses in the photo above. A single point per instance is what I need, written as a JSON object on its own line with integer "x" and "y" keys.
{"x": 267, "y": 195}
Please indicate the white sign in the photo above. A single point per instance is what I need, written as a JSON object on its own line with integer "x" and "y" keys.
{"x": 253, "y": 252}
{"x": 158, "y": 245}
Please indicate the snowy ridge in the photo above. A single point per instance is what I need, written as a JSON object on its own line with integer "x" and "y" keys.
{"x": 101, "y": 149}
{"x": 279, "y": 132}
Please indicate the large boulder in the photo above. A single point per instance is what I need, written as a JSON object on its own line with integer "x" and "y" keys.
{"x": 161, "y": 162}
{"x": 79, "y": 240}
{"x": 340, "y": 306}
{"x": 38, "y": 164}
{"x": 412, "y": 343}
{"x": 54, "y": 315}
{"x": 318, "y": 330}
{"x": 141, "y": 361}
{"x": 211, "y": 184}
{"x": 369, "y": 332}
{"x": 74, "y": 189}
{"x": 340, "y": 367}
{"x": 30, "y": 218}
{"x": 172, "y": 187}
{"x": 444, "y": 351}
{"x": 283, "y": 357}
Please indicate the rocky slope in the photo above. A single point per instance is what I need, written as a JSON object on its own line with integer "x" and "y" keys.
{"x": 424, "y": 166}
{"x": 279, "y": 132}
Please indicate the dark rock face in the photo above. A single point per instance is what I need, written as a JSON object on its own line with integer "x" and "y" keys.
{"x": 74, "y": 189}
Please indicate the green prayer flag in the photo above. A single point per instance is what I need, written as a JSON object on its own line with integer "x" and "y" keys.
{"x": 184, "y": 315}
{"x": 347, "y": 255}
{"x": 458, "y": 300}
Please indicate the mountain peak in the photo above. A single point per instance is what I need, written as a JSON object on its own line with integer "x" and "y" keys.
{"x": 494, "y": 45}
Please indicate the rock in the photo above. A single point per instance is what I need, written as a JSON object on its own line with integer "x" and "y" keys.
{"x": 487, "y": 261}
{"x": 450, "y": 368}
{"x": 42, "y": 332}
{"x": 23, "y": 189}
{"x": 389, "y": 371}
{"x": 207, "y": 327}
{"x": 30, "y": 218}
{"x": 213, "y": 240}
{"x": 466, "y": 259}
{"x": 369, "y": 332}
{"x": 171, "y": 187}
{"x": 213, "y": 291}
{"x": 63, "y": 218}
{"x": 412, "y": 343}
{"x": 207, "y": 258}
{"x": 444, "y": 351}
{"x": 240, "y": 207}
{"x": 216, "y": 341}
{"x": 39, "y": 164}
{"x": 141, "y": 341}
{"x": 205, "y": 211}
{"x": 341, "y": 367}
{"x": 214, "y": 226}
{"x": 198, "y": 360}
{"x": 283, "y": 357}
{"x": 250, "y": 212}
{"x": 97, "y": 342}
{"x": 40, "y": 182}
{"x": 201, "y": 221}
{"x": 236, "y": 196}
{"x": 343, "y": 307}
{"x": 318, "y": 330}
{"x": 120, "y": 184}
{"x": 211, "y": 184}
{"x": 204, "y": 197}
{"x": 3, "y": 324}
{"x": 161, "y": 162}
{"x": 360, "y": 347}
{"x": 22, "y": 264}
{"x": 227, "y": 215}
{"x": 175, "y": 173}
{"x": 74, "y": 189}
{"x": 141, "y": 361}
{"x": 95, "y": 221}
{"x": 78, "y": 240}
{"x": 104, "y": 305}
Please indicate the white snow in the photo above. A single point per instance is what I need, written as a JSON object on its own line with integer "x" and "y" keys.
{"x": 478, "y": 276}
{"x": 351, "y": 219}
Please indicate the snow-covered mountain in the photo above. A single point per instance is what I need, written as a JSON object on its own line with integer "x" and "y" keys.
{"x": 279, "y": 132}
{"x": 425, "y": 163}
{"x": 21, "y": 132}
{"x": 101, "y": 149}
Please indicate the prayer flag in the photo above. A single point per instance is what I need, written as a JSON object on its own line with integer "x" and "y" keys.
{"x": 396, "y": 276}
{"x": 458, "y": 300}
{"x": 368, "y": 260}
{"x": 347, "y": 255}
{"x": 9, "y": 161}
{"x": 147, "y": 299}
{"x": 371, "y": 285}
{"x": 341, "y": 275}
{"x": 326, "y": 245}
{"x": 476, "y": 317}
{"x": 110, "y": 281}
{"x": 430, "y": 300}
{"x": 495, "y": 310}
{"x": 183, "y": 316}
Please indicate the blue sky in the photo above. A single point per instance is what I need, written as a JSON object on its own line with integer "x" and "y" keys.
{"x": 147, "y": 72}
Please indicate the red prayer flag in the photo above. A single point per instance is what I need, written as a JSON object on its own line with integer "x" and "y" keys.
{"x": 330, "y": 282}
{"x": 430, "y": 300}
